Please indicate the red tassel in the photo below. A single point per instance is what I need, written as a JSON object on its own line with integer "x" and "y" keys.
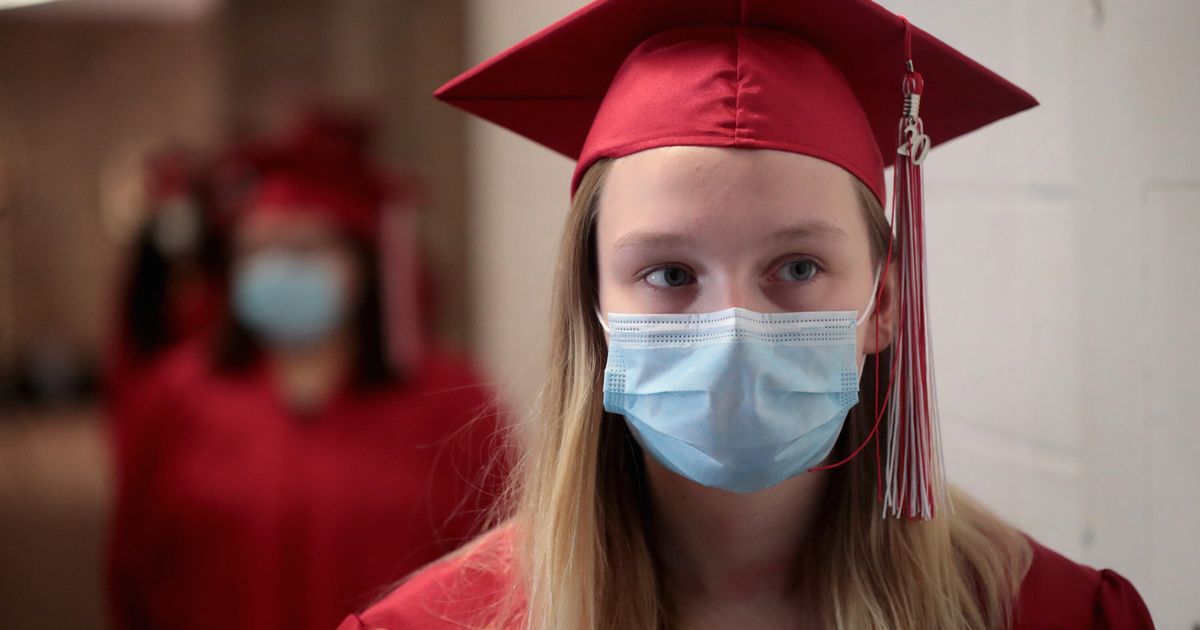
{"x": 913, "y": 473}
{"x": 912, "y": 479}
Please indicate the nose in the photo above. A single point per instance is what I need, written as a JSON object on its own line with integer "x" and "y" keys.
{"x": 739, "y": 292}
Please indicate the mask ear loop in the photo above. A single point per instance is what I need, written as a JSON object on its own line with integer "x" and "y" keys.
{"x": 866, "y": 313}
{"x": 870, "y": 303}
{"x": 880, "y": 273}
{"x": 603, "y": 323}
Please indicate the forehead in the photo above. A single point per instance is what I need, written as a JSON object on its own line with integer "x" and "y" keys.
{"x": 270, "y": 226}
{"x": 727, "y": 189}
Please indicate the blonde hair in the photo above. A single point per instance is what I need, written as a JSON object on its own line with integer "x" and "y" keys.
{"x": 581, "y": 542}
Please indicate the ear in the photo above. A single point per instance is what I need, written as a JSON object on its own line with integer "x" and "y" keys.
{"x": 880, "y": 327}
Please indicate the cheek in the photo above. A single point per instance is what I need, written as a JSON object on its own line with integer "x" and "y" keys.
{"x": 609, "y": 279}
{"x": 819, "y": 294}
{"x": 614, "y": 284}
{"x": 614, "y": 295}
{"x": 621, "y": 292}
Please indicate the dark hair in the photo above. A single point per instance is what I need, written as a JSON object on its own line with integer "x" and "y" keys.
{"x": 145, "y": 316}
{"x": 237, "y": 350}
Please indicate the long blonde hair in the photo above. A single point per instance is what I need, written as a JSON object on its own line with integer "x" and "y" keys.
{"x": 582, "y": 555}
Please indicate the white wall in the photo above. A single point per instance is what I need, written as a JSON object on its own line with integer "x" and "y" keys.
{"x": 520, "y": 196}
{"x": 1063, "y": 249}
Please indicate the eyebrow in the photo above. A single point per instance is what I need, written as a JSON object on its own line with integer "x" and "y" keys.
{"x": 811, "y": 230}
{"x": 801, "y": 231}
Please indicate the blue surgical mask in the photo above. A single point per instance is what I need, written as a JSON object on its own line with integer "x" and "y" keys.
{"x": 287, "y": 300}
{"x": 734, "y": 399}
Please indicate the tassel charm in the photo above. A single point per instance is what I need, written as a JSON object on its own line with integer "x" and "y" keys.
{"x": 913, "y": 473}
{"x": 914, "y": 144}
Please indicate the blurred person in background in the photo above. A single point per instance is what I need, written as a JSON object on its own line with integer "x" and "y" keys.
{"x": 314, "y": 450}
{"x": 172, "y": 290}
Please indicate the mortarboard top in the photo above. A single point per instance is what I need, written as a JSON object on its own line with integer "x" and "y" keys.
{"x": 818, "y": 77}
{"x": 322, "y": 166}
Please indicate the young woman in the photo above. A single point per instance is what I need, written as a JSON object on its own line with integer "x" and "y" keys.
{"x": 280, "y": 480}
{"x": 171, "y": 292}
{"x": 737, "y": 428}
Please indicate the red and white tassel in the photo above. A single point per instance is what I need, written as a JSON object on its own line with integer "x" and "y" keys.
{"x": 913, "y": 473}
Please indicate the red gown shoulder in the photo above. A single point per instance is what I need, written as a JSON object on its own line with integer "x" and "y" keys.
{"x": 1059, "y": 594}
{"x": 461, "y": 590}
{"x": 467, "y": 589}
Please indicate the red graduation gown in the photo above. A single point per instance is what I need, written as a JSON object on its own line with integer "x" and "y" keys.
{"x": 235, "y": 513}
{"x": 455, "y": 593}
{"x": 129, "y": 378}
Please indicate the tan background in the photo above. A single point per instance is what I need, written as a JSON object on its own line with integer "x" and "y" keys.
{"x": 82, "y": 96}
{"x": 86, "y": 87}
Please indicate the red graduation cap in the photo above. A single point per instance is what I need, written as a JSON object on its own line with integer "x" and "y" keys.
{"x": 825, "y": 78}
{"x": 819, "y": 77}
{"x": 322, "y": 166}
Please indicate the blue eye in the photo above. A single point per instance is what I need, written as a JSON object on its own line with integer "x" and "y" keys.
{"x": 797, "y": 271}
{"x": 669, "y": 277}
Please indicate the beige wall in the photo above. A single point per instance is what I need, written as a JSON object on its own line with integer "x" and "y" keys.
{"x": 79, "y": 101}
{"x": 1063, "y": 259}
{"x": 519, "y": 194}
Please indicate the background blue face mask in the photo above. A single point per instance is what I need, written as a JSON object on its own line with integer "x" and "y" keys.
{"x": 287, "y": 300}
{"x": 735, "y": 399}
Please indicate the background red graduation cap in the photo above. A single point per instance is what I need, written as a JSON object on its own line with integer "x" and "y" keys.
{"x": 322, "y": 166}
{"x": 825, "y": 78}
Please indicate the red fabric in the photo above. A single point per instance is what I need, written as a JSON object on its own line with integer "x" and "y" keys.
{"x": 168, "y": 174}
{"x": 350, "y": 208}
{"x": 129, "y": 375}
{"x": 1060, "y": 594}
{"x": 462, "y": 591}
{"x": 323, "y": 166}
{"x": 234, "y": 513}
{"x": 718, "y": 96}
{"x": 1057, "y": 594}
{"x": 806, "y": 76}
{"x": 192, "y": 306}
